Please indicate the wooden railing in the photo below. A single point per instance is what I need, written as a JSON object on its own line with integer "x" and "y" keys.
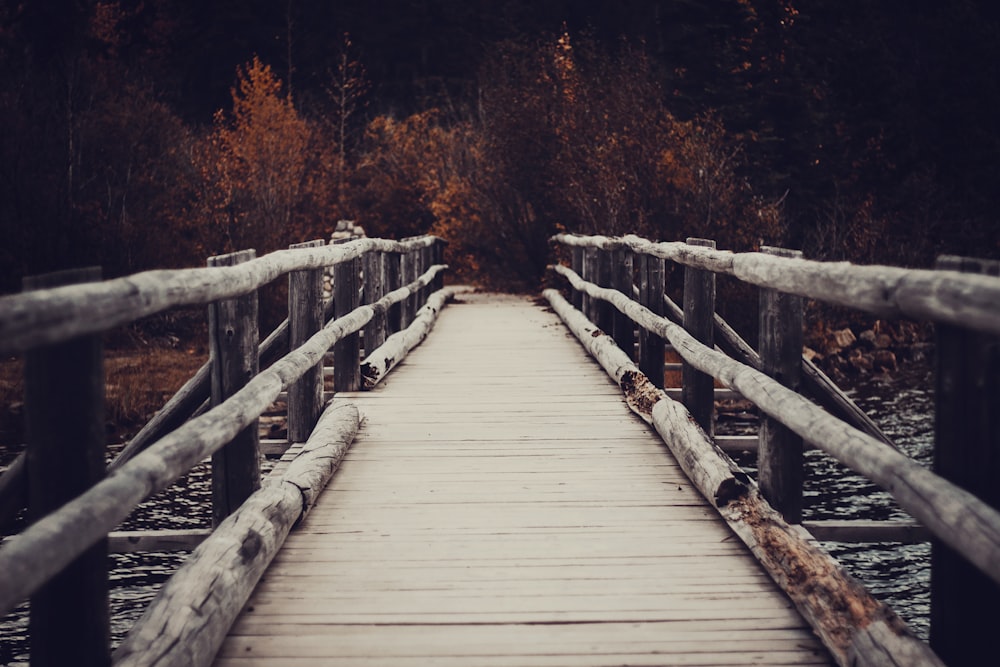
{"x": 618, "y": 283}
{"x": 60, "y": 559}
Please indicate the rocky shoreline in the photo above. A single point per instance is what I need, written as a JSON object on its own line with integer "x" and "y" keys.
{"x": 872, "y": 348}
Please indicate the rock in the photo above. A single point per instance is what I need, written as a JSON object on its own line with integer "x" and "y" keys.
{"x": 859, "y": 360}
{"x": 883, "y": 341}
{"x": 838, "y": 340}
{"x": 811, "y": 354}
{"x": 884, "y": 360}
{"x": 868, "y": 337}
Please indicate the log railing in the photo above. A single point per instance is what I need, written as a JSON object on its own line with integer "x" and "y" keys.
{"x": 391, "y": 289}
{"x": 958, "y": 507}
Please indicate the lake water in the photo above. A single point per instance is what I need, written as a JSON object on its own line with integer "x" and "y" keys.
{"x": 898, "y": 574}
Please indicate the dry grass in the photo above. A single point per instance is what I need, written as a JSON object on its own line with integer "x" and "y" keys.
{"x": 139, "y": 379}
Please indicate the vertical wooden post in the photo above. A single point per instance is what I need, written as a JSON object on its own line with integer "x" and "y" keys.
{"x": 374, "y": 289}
{"x": 392, "y": 266}
{"x": 622, "y": 280}
{"x": 305, "y": 317}
{"x": 437, "y": 257}
{"x": 233, "y": 339}
{"x": 779, "y": 453}
{"x": 590, "y": 273}
{"x": 652, "y": 279}
{"x": 407, "y": 273}
{"x": 604, "y": 310}
{"x": 964, "y": 609}
{"x": 347, "y": 351}
{"x": 577, "y": 264}
{"x": 698, "y": 389}
{"x": 64, "y": 405}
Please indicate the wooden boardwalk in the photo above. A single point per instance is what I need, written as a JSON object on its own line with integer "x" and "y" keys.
{"x": 502, "y": 506}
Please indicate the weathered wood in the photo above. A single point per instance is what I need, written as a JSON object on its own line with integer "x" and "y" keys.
{"x": 374, "y": 289}
{"x": 718, "y": 479}
{"x": 604, "y": 312}
{"x": 886, "y": 291}
{"x": 964, "y": 610}
{"x": 409, "y": 269}
{"x": 525, "y": 520}
{"x": 697, "y": 388}
{"x": 652, "y": 276}
{"x": 951, "y": 513}
{"x": 392, "y": 264}
{"x": 383, "y": 359}
{"x": 856, "y": 628}
{"x": 80, "y": 523}
{"x": 121, "y": 542}
{"x": 347, "y": 351}
{"x": 860, "y": 530}
{"x": 577, "y": 259}
{"x": 233, "y": 339}
{"x": 223, "y": 570}
{"x": 305, "y": 317}
{"x": 815, "y": 582}
{"x": 51, "y": 315}
{"x": 623, "y": 279}
{"x": 780, "y": 462}
{"x": 64, "y": 426}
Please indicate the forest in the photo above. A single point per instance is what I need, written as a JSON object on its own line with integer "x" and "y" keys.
{"x": 144, "y": 134}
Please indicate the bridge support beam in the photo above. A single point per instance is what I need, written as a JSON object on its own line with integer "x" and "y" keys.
{"x": 779, "y": 450}
{"x": 305, "y": 317}
{"x": 64, "y": 398}
{"x": 698, "y": 389}
{"x": 347, "y": 351}
{"x": 652, "y": 276}
{"x": 964, "y": 609}
{"x": 233, "y": 337}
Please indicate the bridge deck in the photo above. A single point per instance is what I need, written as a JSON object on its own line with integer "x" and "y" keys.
{"x": 502, "y": 506}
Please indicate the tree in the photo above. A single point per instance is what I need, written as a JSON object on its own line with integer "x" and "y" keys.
{"x": 254, "y": 163}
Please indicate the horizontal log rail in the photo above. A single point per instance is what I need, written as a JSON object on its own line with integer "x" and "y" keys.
{"x": 955, "y": 507}
{"x": 188, "y": 430}
{"x": 964, "y": 299}
{"x": 853, "y": 625}
{"x": 48, "y": 316}
{"x": 952, "y": 514}
{"x": 45, "y": 547}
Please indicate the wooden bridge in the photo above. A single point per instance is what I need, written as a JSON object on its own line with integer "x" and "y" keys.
{"x": 500, "y": 499}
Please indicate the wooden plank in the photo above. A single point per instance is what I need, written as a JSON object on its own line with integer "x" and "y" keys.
{"x": 697, "y": 392}
{"x": 496, "y": 523}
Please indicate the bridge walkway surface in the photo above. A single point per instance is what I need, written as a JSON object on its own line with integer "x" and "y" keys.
{"x": 502, "y": 506}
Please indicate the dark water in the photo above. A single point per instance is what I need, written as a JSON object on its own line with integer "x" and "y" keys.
{"x": 898, "y": 574}
{"x": 903, "y": 406}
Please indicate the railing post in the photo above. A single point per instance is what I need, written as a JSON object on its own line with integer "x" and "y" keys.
{"x": 964, "y": 610}
{"x": 605, "y": 312}
{"x": 622, "y": 280}
{"x": 652, "y": 279}
{"x": 305, "y": 317}
{"x": 392, "y": 265}
{"x": 591, "y": 271}
{"x": 233, "y": 338}
{"x": 346, "y": 351}
{"x": 698, "y": 389}
{"x": 374, "y": 289}
{"x": 437, "y": 257}
{"x": 779, "y": 452}
{"x": 577, "y": 264}
{"x": 407, "y": 273}
{"x": 64, "y": 405}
